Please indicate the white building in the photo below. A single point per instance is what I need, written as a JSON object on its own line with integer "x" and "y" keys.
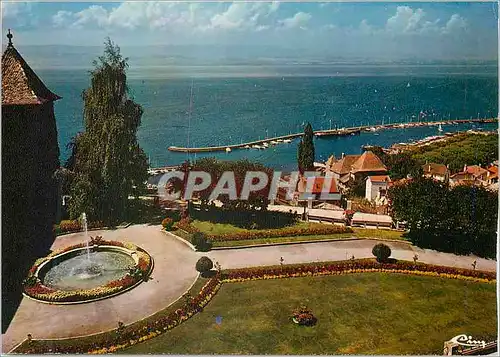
{"x": 374, "y": 220}
{"x": 376, "y": 189}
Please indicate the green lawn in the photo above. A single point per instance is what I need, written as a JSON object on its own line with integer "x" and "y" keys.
{"x": 219, "y": 228}
{"x": 239, "y": 243}
{"x": 372, "y": 313}
{"x": 378, "y": 233}
{"x": 224, "y": 228}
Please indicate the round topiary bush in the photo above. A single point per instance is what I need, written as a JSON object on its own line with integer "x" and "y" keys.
{"x": 382, "y": 252}
{"x": 204, "y": 265}
{"x": 201, "y": 242}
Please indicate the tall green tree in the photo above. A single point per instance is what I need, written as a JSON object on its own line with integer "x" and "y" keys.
{"x": 257, "y": 200}
{"x": 108, "y": 165}
{"x": 461, "y": 220}
{"x": 305, "y": 154}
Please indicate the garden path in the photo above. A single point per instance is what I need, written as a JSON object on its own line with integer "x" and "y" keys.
{"x": 339, "y": 250}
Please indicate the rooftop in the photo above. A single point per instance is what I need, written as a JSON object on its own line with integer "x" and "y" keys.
{"x": 317, "y": 185}
{"x": 435, "y": 169}
{"x": 379, "y": 178}
{"x": 475, "y": 170}
{"x": 343, "y": 166}
{"x": 368, "y": 162}
{"x": 20, "y": 85}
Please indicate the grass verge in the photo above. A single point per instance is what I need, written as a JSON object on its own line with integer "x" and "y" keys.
{"x": 376, "y": 313}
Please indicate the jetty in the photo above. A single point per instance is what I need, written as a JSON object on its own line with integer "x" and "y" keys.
{"x": 256, "y": 144}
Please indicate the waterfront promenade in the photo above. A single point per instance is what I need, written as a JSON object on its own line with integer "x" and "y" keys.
{"x": 330, "y": 132}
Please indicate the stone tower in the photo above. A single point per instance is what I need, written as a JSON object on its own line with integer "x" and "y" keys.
{"x": 30, "y": 156}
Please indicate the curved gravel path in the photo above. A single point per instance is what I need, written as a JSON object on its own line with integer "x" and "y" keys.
{"x": 340, "y": 250}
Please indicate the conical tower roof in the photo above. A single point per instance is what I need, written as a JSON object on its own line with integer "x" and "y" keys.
{"x": 20, "y": 85}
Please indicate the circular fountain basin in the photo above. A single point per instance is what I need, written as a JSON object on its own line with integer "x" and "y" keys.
{"x": 78, "y": 275}
{"x": 79, "y": 270}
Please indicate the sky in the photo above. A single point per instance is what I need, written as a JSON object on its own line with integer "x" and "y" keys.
{"x": 389, "y": 30}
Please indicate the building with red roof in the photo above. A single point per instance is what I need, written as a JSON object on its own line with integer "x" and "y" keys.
{"x": 352, "y": 168}
{"x": 435, "y": 171}
{"x": 376, "y": 189}
{"x": 473, "y": 175}
{"x": 319, "y": 189}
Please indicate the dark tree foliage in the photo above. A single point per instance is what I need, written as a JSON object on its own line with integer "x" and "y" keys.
{"x": 305, "y": 153}
{"x": 108, "y": 163}
{"x": 356, "y": 188}
{"x": 460, "y": 220}
{"x": 464, "y": 149}
{"x": 256, "y": 200}
{"x": 70, "y": 162}
{"x": 400, "y": 165}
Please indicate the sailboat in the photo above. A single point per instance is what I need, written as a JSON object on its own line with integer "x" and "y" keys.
{"x": 440, "y": 129}
{"x": 408, "y": 85}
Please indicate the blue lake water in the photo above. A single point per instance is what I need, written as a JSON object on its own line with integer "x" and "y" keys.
{"x": 242, "y": 104}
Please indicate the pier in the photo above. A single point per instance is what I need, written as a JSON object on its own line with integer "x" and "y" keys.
{"x": 321, "y": 133}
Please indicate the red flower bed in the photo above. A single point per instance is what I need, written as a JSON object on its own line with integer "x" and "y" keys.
{"x": 344, "y": 266}
{"x": 69, "y": 226}
{"x": 185, "y": 225}
{"x": 38, "y": 288}
{"x": 126, "y": 281}
{"x": 143, "y": 265}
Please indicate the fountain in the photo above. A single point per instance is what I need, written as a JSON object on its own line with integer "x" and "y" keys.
{"x": 85, "y": 268}
{"x": 88, "y": 271}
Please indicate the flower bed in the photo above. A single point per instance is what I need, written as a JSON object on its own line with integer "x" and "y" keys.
{"x": 34, "y": 288}
{"x": 185, "y": 225}
{"x": 303, "y": 316}
{"x": 356, "y": 266}
{"x": 146, "y": 329}
{"x": 73, "y": 226}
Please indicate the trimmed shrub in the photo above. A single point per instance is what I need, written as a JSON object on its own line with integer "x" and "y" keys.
{"x": 382, "y": 252}
{"x": 70, "y": 226}
{"x": 168, "y": 223}
{"x": 201, "y": 242}
{"x": 175, "y": 215}
{"x": 204, "y": 265}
